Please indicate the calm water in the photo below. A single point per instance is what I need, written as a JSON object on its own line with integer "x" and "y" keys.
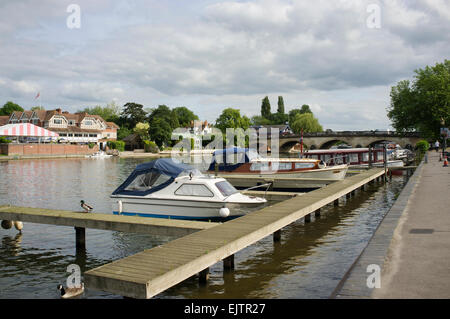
{"x": 307, "y": 263}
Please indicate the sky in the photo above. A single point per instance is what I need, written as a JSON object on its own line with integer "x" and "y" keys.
{"x": 341, "y": 57}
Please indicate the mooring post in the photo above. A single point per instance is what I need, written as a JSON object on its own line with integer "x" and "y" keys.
{"x": 228, "y": 263}
{"x": 308, "y": 218}
{"x": 80, "y": 238}
{"x": 317, "y": 212}
{"x": 203, "y": 276}
{"x": 277, "y": 236}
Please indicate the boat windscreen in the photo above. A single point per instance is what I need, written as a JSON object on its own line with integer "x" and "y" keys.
{"x": 146, "y": 181}
{"x": 226, "y": 188}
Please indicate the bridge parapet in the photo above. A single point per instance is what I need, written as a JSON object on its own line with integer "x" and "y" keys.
{"x": 356, "y": 133}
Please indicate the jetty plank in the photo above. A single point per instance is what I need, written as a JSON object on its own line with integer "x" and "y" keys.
{"x": 212, "y": 245}
{"x": 132, "y": 224}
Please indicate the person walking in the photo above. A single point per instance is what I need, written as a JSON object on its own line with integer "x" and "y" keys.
{"x": 436, "y": 145}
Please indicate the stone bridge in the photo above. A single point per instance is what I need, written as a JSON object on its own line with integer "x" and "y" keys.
{"x": 326, "y": 140}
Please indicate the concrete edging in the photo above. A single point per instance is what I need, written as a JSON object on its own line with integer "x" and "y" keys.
{"x": 353, "y": 284}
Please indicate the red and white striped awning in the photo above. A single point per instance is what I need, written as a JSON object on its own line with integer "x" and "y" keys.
{"x": 25, "y": 129}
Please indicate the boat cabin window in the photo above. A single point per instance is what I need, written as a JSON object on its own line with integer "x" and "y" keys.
{"x": 353, "y": 157}
{"x": 194, "y": 190}
{"x": 365, "y": 157}
{"x": 146, "y": 181}
{"x": 259, "y": 167}
{"x": 226, "y": 188}
{"x": 304, "y": 165}
{"x": 281, "y": 166}
{"x": 380, "y": 156}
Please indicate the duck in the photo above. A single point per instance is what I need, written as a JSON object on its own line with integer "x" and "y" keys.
{"x": 19, "y": 225}
{"x": 85, "y": 206}
{"x": 67, "y": 293}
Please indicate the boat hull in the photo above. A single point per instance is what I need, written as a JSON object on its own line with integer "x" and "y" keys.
{"x": 179, "y": 209}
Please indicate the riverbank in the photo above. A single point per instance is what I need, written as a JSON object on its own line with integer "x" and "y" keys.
{"x": 411, "y": 247}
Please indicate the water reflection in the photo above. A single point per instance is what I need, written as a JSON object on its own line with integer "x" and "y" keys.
{"x": 308, "y": 261}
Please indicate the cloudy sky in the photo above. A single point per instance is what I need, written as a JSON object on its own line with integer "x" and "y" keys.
{"x": 335, "y": 55}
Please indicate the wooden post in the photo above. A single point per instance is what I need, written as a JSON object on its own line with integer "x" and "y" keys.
{"x": 80, "y": 238}
{"x": 277, "y": 236}
{"x": 308, "y": 218}
{"x": 203, "y": 276}
{"x": 228, "y": 263}
{"x": 336, "y": 202}
{"x": 317, "y": 213}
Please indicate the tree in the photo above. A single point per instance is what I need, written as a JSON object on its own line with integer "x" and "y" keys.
{"x": 109, "y": 113}
{"x": 142, "y": 129}
{"x": 424, "y": 103}
{"x": 304, "y": 109}
{"x": 10, "y": 107}
{"x": 307, "y": 122}
{"x": 162, "y": 121}
{"x": 231, "y": 118}
{"x": 160, "y": 131}
{"x": 280, "y": 109}
{"x": 265, "y": 108}
{"x": 132, "y": 114}
{"x": 259, "y": 120}
{"x": 37, "y": 108}
{"x": 185, "y": 116}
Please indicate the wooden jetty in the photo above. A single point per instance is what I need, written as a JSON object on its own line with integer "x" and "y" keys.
{"x": 81, "y": 220}
{"x": 152, "y": 271}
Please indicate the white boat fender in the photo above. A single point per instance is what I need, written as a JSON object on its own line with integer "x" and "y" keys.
{"x": 224, "y": 212}
{"x": 120, "y": 206}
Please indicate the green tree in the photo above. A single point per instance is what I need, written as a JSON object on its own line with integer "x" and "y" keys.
{"x": 37, "y": 108}
{"x": 132, "y": 114}
{"x": 265, "y": 108}
{"x": 231, "y": 118}
{"x": 280, "y": 109}
{"x": 307, "y": 122}
{"x": 110, "y": 112}
{"x": 424, "y": 103}
{"x": 304, "y": 109}
{"x": 259, "y": 120}
{"x": 10, "y": 107}
{"x": 142, "y": 129}
{"x": 160, "y": 131}
{"x": 184, "y": 115}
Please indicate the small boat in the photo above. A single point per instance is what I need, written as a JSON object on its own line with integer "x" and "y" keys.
{"x": 356, "y": 158}
{"x": 99, "y": 154}
{"x": 247, "y": 162}
{"x": 165, "y": 189}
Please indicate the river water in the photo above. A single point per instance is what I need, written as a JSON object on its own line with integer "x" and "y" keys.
{"x": 308, "y": 262}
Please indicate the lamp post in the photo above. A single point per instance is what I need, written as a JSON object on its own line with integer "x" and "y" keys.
{"x": 444, "y": 136}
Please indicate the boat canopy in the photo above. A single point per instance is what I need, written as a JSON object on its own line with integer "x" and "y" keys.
{"x": 231, "y": 158}
{"x": 153, "y": 176}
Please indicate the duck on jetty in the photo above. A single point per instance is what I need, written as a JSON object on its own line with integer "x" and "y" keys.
{"x": 85, "y": 206}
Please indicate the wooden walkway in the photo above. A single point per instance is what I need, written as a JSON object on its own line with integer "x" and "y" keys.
{"x": 155, "y": 226}
{"x": 152, "y": 271}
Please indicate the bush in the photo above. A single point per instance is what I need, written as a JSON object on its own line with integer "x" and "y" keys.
{"x": 117, "y": 145}
{"x": 4, "y": 140}
{"x": 91, "y": 145}
{"x": 422, "y": 146}
{"x": 150, "y": 147}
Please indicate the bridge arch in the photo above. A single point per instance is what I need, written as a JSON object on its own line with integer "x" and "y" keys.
{"x": 328, "y": 144}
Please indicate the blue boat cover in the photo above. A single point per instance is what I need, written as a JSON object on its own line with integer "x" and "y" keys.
{"x": 164, "y": 166}
{"x": 225, "y": 166}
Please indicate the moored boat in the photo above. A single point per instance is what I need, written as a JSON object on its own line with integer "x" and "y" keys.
{"x": 247, "y": 162}
{"x": 165, "y": 189}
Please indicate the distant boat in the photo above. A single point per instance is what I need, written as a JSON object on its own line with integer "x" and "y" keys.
{"x": 165, "y": 189}
{"x": 247, "y": 162}
{"x": 355, "y": 157}
{"x": 99, "y": 154}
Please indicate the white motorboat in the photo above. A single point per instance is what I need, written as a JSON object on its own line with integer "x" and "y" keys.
{"x": 165, "y": 189}
{"x": 99, "y": 154}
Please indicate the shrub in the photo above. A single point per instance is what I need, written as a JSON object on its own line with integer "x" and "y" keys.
{"x": 422, "y": 146}
{"x": 4, "y": 140}
{"x": 117, "y": 145}
{"x": 150, "y": 146}
{"x": 91, "y": 145}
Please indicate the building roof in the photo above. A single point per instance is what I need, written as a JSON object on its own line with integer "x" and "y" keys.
{"x": 4, "y": 119}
